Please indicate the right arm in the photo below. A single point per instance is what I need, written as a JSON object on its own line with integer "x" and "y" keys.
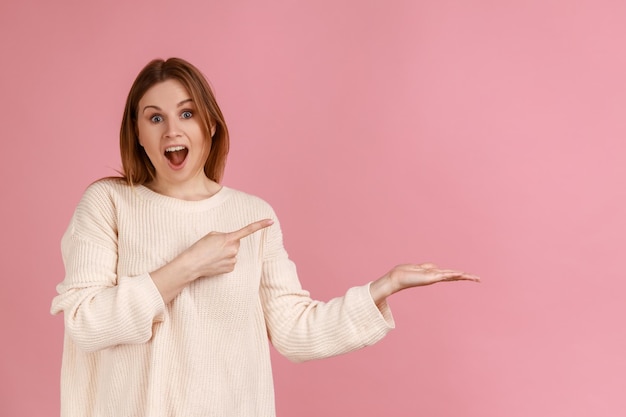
{"x": 214, "y": 254}
{"x": 102, "y": 309}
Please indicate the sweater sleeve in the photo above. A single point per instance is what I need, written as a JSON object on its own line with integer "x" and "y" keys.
{"x": 102, "y": 309}
{"x": 304, "y": 329}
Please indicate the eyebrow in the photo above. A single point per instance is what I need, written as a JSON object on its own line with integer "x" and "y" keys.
{"x": 159, "y": 109}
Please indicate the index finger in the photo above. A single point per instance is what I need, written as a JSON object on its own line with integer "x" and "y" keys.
{"x": 251, "y": 228}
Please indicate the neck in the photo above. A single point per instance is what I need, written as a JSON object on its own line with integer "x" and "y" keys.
{"x": 191, "y": 190}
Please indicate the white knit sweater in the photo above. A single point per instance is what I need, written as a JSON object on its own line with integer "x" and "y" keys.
{"x": 126, "y": 354}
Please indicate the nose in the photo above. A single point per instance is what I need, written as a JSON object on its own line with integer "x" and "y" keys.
{"x": 172, "y": 130}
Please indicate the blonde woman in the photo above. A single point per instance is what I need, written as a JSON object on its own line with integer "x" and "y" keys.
{"x": 175, "y": 283}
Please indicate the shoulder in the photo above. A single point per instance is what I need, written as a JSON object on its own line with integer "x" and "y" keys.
{"x": 109, "y": 194}
{"x": 246, "y": 197}
{"x": 249, "y": 202}
{"x": 101, "y": 190}
{"x": 95, "y": 217}
{"x": 105, "y": 188}
{"x": 101, "y": 197}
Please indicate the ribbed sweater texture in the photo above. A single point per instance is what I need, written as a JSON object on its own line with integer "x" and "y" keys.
{"x": 127, "y": 354}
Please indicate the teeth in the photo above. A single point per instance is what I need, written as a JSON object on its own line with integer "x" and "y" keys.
{"x": 174, "y": 148}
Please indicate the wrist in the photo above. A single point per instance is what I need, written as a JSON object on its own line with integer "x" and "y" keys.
{"x": 382, "y": 288}
{"x": 185, "y": 267}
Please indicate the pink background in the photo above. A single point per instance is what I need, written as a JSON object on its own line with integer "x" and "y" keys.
{"x": 481, "y": 135}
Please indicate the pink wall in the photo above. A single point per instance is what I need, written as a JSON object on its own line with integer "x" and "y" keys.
{"x": 482, "y": 135}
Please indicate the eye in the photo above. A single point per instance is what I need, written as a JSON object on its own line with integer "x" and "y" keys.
{"x": 186, "y": 114}
{"x": 156, "y": 118}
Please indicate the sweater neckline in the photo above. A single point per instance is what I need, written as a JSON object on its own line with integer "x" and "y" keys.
{"x": 184, "y": 205}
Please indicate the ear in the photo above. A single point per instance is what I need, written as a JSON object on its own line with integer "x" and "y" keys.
{"x": 213, "y": 128}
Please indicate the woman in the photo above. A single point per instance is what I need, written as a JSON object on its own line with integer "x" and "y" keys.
{"x": 174, "y": 283}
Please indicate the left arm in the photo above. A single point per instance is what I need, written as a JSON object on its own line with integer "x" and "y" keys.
{"x": 301, "y": 328}
{"x": 304, "y": 329}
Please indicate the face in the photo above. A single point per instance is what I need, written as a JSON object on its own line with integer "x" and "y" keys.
{"x": 171, "y": 133}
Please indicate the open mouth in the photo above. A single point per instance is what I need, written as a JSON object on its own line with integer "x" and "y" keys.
{"x": 176, "y": 155}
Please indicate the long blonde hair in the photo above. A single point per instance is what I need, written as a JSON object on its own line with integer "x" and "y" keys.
{"x": 136, "y": 166}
